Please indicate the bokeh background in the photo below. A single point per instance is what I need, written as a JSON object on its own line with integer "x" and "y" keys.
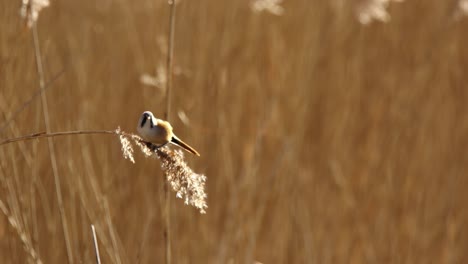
{"x": 330, "y": 131}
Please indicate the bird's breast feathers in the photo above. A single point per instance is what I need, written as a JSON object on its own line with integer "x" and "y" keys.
{"x": 159, "y": 133}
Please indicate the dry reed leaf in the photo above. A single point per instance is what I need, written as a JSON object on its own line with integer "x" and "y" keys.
{"x": 183, "y": 117}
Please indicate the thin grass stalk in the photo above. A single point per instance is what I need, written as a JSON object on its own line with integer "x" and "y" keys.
{"x": 96, "y": 246}
{"x": 169, "y": 72}
{"x": 170, "y": 57}
{"x": 53, "y": 160}
{"x": 25, "y": 239}
{"x": 94, "y": 214}
{"x": 113, "y": 236}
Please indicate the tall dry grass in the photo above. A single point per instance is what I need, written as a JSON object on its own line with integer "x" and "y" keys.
{"x": 324, "y": 140}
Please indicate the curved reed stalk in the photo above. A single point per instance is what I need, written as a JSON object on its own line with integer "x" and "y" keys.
{"x": 64, "y": 133}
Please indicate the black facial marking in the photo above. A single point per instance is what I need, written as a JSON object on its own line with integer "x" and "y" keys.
{"x": 143, "y": 121}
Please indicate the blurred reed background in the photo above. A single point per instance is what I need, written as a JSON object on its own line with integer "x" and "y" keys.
{"x": 326, "y": 137}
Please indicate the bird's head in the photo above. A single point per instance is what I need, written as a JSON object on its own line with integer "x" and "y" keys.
{"x": 146, "y": 117}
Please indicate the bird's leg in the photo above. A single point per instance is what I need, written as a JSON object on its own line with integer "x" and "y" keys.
{"x": 162, "y": 145}
{"x": 153, "y": 147}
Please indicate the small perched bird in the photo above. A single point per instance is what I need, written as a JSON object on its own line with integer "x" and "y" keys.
{"x": 159, "y": 132}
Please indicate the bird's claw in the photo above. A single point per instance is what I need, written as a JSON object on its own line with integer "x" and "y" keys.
{"x": 154, "y": 147}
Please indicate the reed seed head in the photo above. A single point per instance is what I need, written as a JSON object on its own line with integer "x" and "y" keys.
{"x": 270, "y": 6}
{"x": 30, "y": 10}
{"x": 187, "y": 185}
{"x": 370, "y": 10}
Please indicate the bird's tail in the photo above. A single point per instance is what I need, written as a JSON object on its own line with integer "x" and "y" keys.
{"x": 185, "y": 146}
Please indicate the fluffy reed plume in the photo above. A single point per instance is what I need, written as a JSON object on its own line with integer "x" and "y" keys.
{"x": 271, "y": 6}
{"x": 461, "y": 9}
{"x": 369, "y": 10}
{"x": 159, "y": 81}
{"x": 127, "y": 148}
{"x": 463, "y": 6}
{"x": 30, "y": 10}
{"x": 187, "y": 184}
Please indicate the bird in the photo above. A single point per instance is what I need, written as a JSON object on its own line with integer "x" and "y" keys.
{"x": 159, "y": 132}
